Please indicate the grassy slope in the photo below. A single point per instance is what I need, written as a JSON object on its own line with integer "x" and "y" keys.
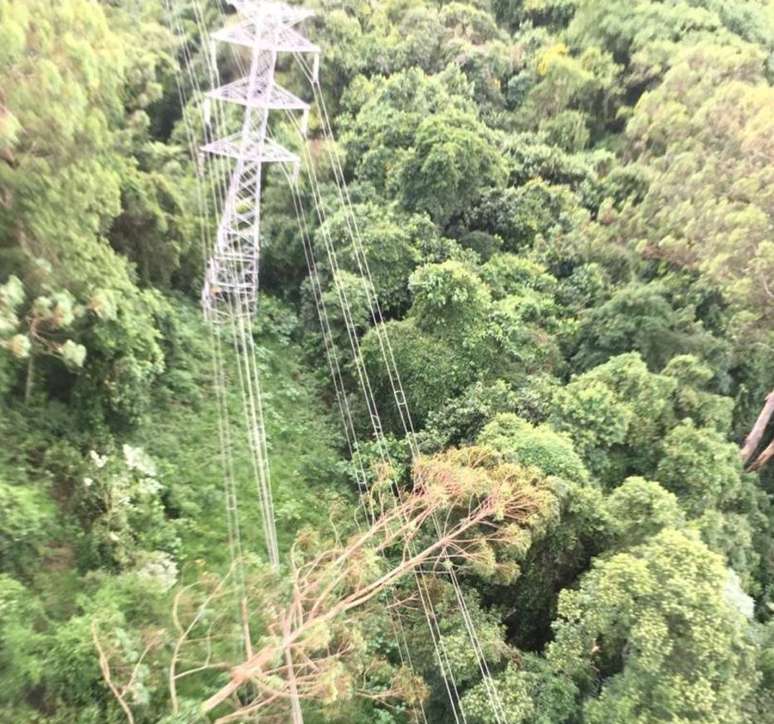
{"x": 181, "y": 433}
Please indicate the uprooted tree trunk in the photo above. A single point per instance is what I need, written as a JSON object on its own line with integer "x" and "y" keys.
{"x": 466, "y": 509}
{"x": 753, "y": 440}
{"x": 458, "y": 512}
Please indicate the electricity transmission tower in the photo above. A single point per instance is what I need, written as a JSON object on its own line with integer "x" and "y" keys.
{"x": 267, "y": 29}
{"x": 262, "y": 32}
{"x": 230, "y": 293}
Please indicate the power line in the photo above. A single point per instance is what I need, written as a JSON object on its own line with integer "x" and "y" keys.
{"x": 230, "y": 293}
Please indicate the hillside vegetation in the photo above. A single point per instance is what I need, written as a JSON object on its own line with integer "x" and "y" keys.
{"x": 567, "y": 208}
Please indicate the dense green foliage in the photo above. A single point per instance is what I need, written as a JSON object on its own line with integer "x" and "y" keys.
{"x": 567, "y": 209}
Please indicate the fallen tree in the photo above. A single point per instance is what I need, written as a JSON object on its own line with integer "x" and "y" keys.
{"x": 467, "y": 512}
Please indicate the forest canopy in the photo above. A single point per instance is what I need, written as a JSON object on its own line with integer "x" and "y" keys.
{"x": 528, "y": 258}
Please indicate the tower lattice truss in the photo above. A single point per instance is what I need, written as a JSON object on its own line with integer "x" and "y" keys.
{"x": 266, "y": 29}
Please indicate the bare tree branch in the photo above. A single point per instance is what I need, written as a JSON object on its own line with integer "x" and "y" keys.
{"x": 104, "y": 665}
{"x": 458, "y": 510}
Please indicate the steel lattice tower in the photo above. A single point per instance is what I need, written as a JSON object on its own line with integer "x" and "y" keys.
{"x": 267, "y": 29}
{"x": 230, "y": 293}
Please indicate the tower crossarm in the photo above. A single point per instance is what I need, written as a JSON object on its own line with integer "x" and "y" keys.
{"x": 266, "y": 37}
{"x": 280, "y": 13}
{"x": 275, "y": 98}
{"x": 259, "y": 150}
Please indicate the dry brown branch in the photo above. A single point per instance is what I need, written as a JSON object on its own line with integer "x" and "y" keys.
{"x": 104, "y": 665}
{"x": 460, "y": 509}
{"x": 183, "y": 637}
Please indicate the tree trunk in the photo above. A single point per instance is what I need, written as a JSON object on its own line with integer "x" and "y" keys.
{"x": 295, "y": 702}
{"x": 763, "y": 458}
{"x": 754, "y": 438}
{"x": 30, "y": 378}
